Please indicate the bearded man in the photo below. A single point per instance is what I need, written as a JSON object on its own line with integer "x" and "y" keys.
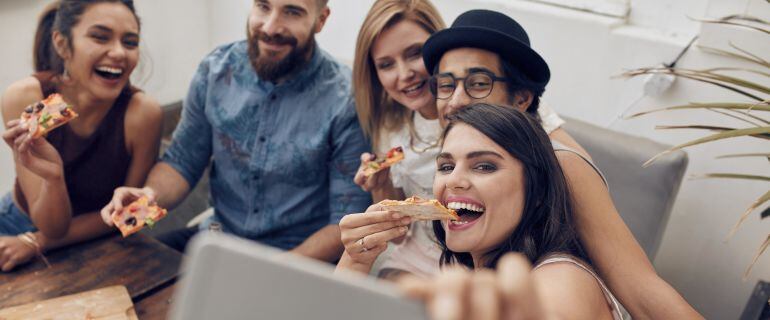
{"x": 274, "y": 117}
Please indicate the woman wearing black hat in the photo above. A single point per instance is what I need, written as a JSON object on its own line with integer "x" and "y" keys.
{"x": 485, "y": 56}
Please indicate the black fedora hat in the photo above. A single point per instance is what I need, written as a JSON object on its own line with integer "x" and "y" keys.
{"x": 492, "y": 31}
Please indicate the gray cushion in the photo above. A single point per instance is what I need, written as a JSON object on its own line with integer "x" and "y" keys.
{"x": 643, "y": 196}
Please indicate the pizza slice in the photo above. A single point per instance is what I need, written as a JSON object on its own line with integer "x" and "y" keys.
{"x": 43, "y": 116}
{"x": 394, "y": 156}
{"x": 420, "y": 209}
{"x": 136, "y": 215}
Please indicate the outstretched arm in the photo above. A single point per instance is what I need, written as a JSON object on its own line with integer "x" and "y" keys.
{"x": 614, "y": 251}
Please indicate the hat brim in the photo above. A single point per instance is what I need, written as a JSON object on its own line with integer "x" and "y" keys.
{"x": 510, "y": 49}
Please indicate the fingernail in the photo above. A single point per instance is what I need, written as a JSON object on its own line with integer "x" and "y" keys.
{"x": 396, "y": 215}
{"x": 406, "y": 220}
{"x": 404, "y": 229}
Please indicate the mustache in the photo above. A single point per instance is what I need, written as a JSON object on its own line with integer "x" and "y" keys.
{"x": 276, "y": 39}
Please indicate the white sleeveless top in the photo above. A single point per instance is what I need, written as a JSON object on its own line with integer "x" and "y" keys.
{"x": 615, "y": 308}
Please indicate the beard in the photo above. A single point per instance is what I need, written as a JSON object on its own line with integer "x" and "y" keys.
{"x": 266, "y": 66}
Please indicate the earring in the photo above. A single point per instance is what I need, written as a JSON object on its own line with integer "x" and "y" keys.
{"x": 65, "y": 74}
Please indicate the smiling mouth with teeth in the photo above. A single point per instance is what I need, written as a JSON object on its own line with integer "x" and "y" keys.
{"x": 415, "y": 87}
{"x": 468, "y": 212}
{"x": 109, "y": 72}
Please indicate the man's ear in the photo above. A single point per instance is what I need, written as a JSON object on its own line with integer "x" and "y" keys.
{"x": 61, "y": 45}
{"x": 523, "y": 100}
{"x": 325, "y": 12}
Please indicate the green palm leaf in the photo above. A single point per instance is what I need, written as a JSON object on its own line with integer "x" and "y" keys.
{"x": 744, "y": 155}
{"x": 764, "y": 198}
{"x": 746, "y": 56}
{"x": 732, "y": 176}
{"x": 757, "y": 72}
{"x": 761, "y": 250}
{"x": 742, "y": 25}
{"x": 730, "y": 83}
{"x": 714, "y": 137}
{"x": 763, "y": 106}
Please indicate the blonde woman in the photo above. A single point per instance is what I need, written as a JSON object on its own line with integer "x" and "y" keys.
{"x": 396, "y": 108}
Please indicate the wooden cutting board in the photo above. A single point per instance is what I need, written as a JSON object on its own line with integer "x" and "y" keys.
{"x": 102, "y": 304}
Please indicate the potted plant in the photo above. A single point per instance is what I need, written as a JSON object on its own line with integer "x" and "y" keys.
{"x": 753, "y": 112}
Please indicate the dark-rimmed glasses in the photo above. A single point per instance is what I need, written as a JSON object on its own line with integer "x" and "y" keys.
{"x": 477, "y": 85}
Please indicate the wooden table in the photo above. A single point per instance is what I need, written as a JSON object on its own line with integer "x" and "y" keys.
{"x": 145, "y": 266}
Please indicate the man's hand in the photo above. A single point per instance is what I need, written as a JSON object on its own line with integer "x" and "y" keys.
{"x": 122, "y": 197}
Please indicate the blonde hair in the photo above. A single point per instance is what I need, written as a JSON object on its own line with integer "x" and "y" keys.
{"x": 376, "y": 110}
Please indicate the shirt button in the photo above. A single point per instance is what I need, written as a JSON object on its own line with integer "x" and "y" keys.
{"x": 273, "y": 96}
{"x": 255, "y": 177}
{"x": 262, "y": 139}
{"x": 256, "y": 210}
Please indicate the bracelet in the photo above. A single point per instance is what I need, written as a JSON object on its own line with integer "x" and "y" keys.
{"x": 30, "y": 239}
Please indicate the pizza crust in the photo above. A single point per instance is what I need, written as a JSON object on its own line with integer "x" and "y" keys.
{"x": 420, "y": 209}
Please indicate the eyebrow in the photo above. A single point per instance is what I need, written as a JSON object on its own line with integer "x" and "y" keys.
{"x": 474, "y": 154}
{"x": 107, "y": 29}
{"x": 295, "y": 7}
{"x": 414, "y": 46}
{"x": 479, "y": 69}
{"x": 468, "y": 71}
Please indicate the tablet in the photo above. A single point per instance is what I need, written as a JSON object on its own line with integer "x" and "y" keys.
{"x": 224, "y": 277}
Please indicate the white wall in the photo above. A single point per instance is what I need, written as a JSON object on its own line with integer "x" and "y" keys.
{"x": 584, "y": 51}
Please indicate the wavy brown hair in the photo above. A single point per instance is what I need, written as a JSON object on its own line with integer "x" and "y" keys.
{"x": 376, "y": 111}
{"x": 547, "y": 224}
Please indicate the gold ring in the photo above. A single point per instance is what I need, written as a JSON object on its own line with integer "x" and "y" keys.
{"x": 361, "y": 243}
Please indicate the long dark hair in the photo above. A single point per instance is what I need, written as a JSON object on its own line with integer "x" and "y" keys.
{"x": 547, "y": 225}
{"x": 62, "y": 16}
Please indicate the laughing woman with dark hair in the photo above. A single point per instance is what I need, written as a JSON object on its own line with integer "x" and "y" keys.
{"x": 498, "y": 162}
{"x": 84, "y": 50}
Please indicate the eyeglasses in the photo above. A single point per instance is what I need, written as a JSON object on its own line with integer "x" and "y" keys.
{"x": 477, "y": 85}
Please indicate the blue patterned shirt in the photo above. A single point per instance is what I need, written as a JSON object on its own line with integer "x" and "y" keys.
{"x": 282, "y": 156}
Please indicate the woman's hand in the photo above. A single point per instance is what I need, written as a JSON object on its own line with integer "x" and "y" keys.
{"x": 378, "y": 180}
{"x": 366, "y": 235}
{"x": 458, "y": 293}
{"x": 14, "y": 252}
{"x": 34, "y": 154}
{"x": 123, "y": 196}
